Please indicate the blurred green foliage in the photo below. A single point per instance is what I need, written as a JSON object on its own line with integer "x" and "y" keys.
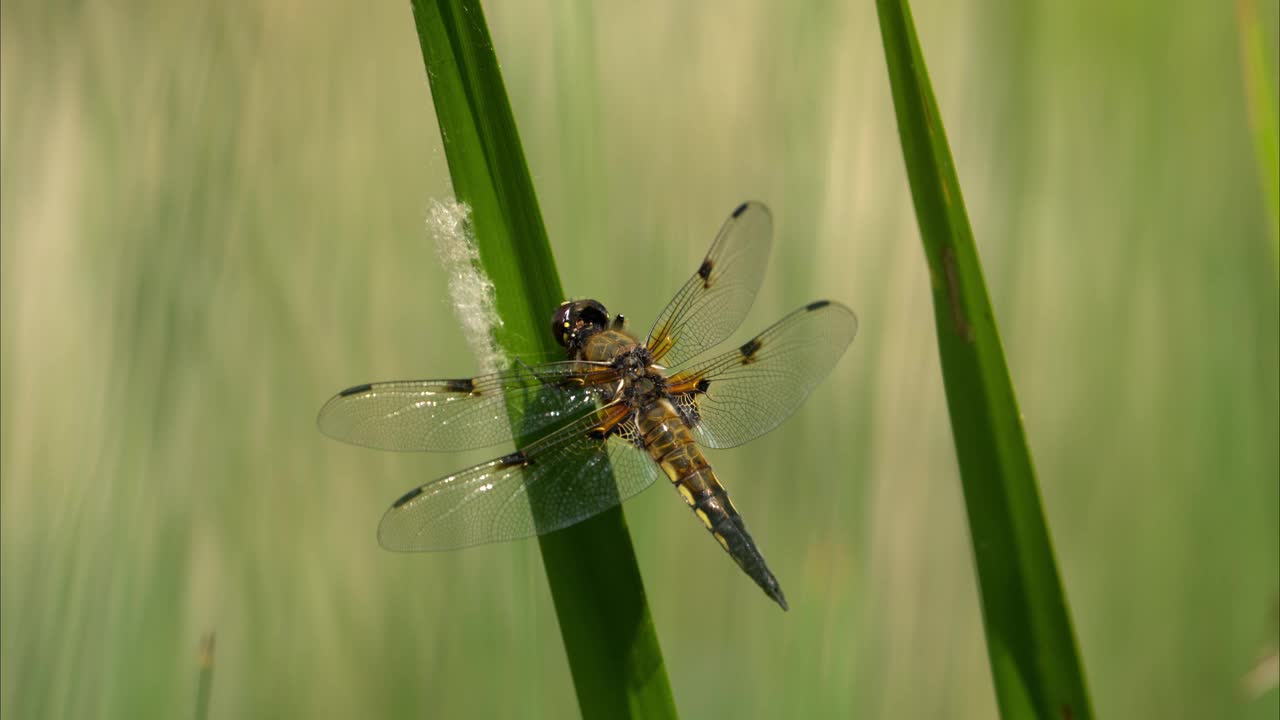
{"x": 212, "y": 219}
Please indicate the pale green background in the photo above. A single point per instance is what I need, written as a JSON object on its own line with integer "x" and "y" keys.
{"x": 213, "y": 218}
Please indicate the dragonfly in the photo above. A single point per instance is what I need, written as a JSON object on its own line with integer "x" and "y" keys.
{"x": 612, "y": 417}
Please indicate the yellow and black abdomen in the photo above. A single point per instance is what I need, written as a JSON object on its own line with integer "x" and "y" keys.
{"x": 669, "y": 442}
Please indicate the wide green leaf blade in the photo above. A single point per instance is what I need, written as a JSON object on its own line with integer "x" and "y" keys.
{"x": 1030, "y": 642}
{"x": 600, "y": 602}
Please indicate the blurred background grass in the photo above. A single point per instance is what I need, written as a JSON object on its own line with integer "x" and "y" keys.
{"x": 212, "y": 218}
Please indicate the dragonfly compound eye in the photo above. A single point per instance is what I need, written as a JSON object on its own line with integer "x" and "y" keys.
{"x": 560, "y": 323}
{"x": 575, "y": 320}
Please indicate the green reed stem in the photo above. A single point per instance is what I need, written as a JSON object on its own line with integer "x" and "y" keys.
{"x": 605, "y": 622}
{"x": 1030, "y": 642}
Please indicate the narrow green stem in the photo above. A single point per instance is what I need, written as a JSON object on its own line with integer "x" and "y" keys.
{"x": 595, "y": 582}
{"x": 1030, "y": 642}
{"x": 204, "y": 689}
{"x": 1260, "y": 101}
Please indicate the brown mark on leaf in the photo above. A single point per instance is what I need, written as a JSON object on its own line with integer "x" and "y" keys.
{"x": 963, "y": 328}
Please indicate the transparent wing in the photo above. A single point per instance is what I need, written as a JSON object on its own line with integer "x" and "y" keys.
{"x": 712, "y": 304}
{"x": 566, "y": 475}
{"x": 745, "y": 393}
{"x": 443, "y": 415}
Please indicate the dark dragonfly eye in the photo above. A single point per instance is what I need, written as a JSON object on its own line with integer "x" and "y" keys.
{"x": 575, "y": 320}
{"x": 560, "y": 323}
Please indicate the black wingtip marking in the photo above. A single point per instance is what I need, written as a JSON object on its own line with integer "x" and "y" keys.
{"x": 356, "y": 390}
{"x": 740, "y": 209}
{"x": 404, "y": 499}
{"x": 817, "y": 305}
{"x": 749, "y": 349}
{"x": 464, "y": 385}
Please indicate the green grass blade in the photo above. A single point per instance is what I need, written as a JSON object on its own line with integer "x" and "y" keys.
{"x": 1030, "y": 642}
{"x": 1259, "y": 86}
{"x": 600, "y": 602}
{"x": 204, "y": 687}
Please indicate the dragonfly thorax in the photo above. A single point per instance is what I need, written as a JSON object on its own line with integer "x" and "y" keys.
{"x": 634, "y": 361}
{"x": 642, "y": 381}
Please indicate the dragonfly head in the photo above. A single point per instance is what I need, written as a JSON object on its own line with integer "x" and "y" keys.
{"x": 577, "y": 320}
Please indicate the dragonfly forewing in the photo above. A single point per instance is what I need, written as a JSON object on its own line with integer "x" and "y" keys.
{"x": 461, "y": 414}
{"x": 715, "y": 300}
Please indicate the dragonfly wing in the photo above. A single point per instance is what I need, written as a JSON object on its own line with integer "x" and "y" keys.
{"x": 460, "y": 414}
{"x": 713, "y": 303}
{"x": 743, "y": 394}
{"x": 583, "y": 469}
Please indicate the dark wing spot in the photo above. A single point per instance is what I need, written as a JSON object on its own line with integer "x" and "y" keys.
{"x": 704, "y": 272}
{"x": 406, "y": 498}
{"x": 702, "y": 385}
{"x": 356, "y": 390}
{"x": 464, "y": 385}
{"x": 817, "y": 305}
{"x": 740, "y": 209}
{"x": 749, "y": 349}
{"x": 517, "y": 458}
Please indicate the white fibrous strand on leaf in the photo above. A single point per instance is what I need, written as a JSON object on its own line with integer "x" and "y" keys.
{"x": 470, "y": 290}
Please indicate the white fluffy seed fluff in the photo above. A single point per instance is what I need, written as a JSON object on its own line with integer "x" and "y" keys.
{"x": 470, "y": 290}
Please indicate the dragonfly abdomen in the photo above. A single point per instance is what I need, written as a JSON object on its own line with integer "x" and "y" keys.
{"x": 671, "y": 444}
